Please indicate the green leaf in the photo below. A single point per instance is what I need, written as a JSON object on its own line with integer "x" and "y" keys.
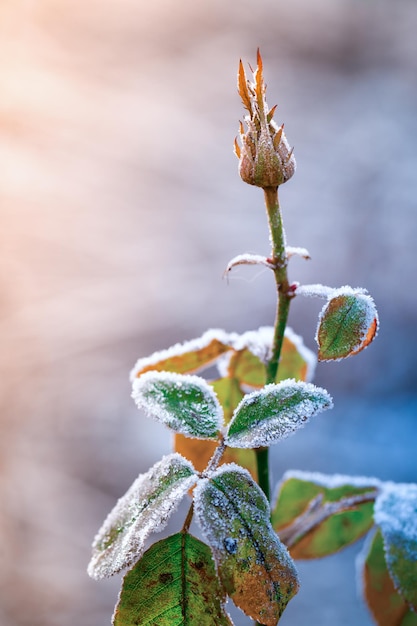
{"x": 385, "y": 603}
{"x": 145, "y": 508}
{"x": 200, "y": 451}
{"x": 174, "y": 584}
{"x": 188, "y": 357}
{"x": 254, "y": 566}
{"x": 317, "y": 515}
{"x": 187, "y": 404}
{"x": 275, "y": 412}
{"x": 396, "y": 515}
{"x": 347, "y": 324}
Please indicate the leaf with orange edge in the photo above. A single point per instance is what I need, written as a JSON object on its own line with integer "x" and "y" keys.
{"x": 347, "y": 324}
{"x": 188, "y": 357}
{"x": 385, "y": 603}
{"x": 253, "y": 565}
{"x": 242, "y": 85}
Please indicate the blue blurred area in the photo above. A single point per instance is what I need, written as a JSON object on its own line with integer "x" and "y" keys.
{"x": 121, "y": 206}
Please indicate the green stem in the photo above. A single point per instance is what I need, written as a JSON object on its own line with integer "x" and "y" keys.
{"x": 262, "y": 465}
{"x": 280, "y": 262}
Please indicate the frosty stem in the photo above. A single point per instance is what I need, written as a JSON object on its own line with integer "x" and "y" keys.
{"x": 279, "y": 261}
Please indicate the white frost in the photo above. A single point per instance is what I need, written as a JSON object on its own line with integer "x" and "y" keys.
{"x": 275, "y": 412}
{"x": 144, "y": 509}
{"x": 259, "y": 343}
{"x": 368, "y": 307}
{"x": 183, "y": 348}
{"x": 315, "y": 291}
{"x": 201, "y": 417}
{"x": 333, "y": 481}
{"x": 396, "y": 514}
{"x": 297, "y": 251}
{"x": 247, "y": 259}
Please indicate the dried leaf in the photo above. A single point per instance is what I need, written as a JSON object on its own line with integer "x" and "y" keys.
{"x": 275, "y": 412}
{"x": 144, "y": 509}
{"x": 259, "y": 82}
{"x": 174, "y": 583}
{"x": 271, "y": 114}
{"x": 254, "y": 567}
{"x": 186, "y": 358}
{"x": 185, "y": 403}
{"x": 236, "y": 148}
{"x": 242, "y": 85}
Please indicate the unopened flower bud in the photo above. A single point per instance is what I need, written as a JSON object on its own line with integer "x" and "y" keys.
{"x": 265, "y": 158}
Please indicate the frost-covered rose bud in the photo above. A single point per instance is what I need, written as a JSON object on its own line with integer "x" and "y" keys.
{"x": 265, "y": 158}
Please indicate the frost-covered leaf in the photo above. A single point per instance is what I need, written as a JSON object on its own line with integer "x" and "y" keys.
{"x": 347, "y": 324}
{"x": 187, "y": 404}
{"x": 297, "y": 251}
{"x": 254, "y": 566}
{"x": 248, "y": 259}
{"x": 200, "y": 451}
{"x": 385, "y": 603}
{"x": 175, "y": 582}
{"x": 144, "y": 509}
{"x": 317, "y": 515}
{"x": 396, "y": 515}
{"x": 253, "y": 350}
{"x": 315, "y": 291}
{"x": 275, "y": 412}
{"x": 188, "y": 357}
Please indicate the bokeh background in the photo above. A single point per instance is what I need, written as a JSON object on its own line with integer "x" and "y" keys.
{"x": 120, "y": 208}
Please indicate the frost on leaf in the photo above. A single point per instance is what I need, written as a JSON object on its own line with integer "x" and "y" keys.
{"x": 144, "y": 509}
{"x": 187, "y": 404}
{"x": 347, "y": 324}
{"x": 317, "y": 515}
{"x": 199, "y": 451}
{"x": 254, "y": 566}
{"x": 385, "y": 603}
{"x": 252, "y": 351}
{"x": 188, "y": 357}
{"x": 396, "y": 515}
{"x": 247, "y": 259}
{"x": 275, "y": 412}
{"x": 175, "y": 582}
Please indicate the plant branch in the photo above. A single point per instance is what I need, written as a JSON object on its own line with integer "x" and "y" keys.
{"x": 279, "y": 262}
{"x": 317, "y": 512}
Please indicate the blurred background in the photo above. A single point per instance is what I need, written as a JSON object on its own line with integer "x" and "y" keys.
{"x": 120, "y": 208}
